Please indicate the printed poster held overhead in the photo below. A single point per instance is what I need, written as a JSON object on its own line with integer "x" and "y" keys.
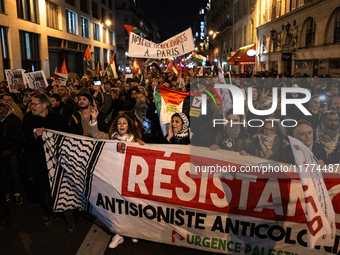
{"x": 15, "y": 79}
{"x": 177, "y": 45}
{"x": 37, "y": 81}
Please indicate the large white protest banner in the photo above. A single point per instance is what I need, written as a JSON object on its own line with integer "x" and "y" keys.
{"x": 163, "y": 194}
{"x": 320, "y": 212}
{"x": 15, "y": 79}
{"x": 177, "y": 45}
{"x": 37, "y": 81}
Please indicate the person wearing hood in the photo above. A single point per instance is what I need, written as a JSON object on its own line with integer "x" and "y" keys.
{"x": 130, "y": 104}
{"x": 179, "y": 131}
{"x": 10, "y": 156}
{"x": 235, "y": 138}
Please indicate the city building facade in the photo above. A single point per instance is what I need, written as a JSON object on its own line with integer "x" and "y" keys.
{"x": 39, "y": 34}
{"x": 292, "y": 37}
{"x": 299, "y": 37}
{"x": 132, "y": 12}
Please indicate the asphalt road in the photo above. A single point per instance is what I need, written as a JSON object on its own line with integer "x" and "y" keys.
{"x": 27, "y": 234}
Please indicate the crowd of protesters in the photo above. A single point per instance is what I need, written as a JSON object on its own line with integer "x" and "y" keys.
{"x": 124, "y": 109}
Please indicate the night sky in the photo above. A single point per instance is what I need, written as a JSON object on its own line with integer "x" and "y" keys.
{"x": 173, "y": 16}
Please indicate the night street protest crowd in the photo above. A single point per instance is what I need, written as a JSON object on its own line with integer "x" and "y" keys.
{"x": 124, "y": 109}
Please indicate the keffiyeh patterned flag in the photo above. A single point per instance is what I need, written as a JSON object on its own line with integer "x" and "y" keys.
{"x": 70, "y": 163}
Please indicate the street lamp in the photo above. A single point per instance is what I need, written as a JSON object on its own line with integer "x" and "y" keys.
{"x": 211, "y": 32}
{"x": 108, "y": 22}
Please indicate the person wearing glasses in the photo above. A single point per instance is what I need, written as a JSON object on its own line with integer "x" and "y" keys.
{"x": 269, "y": 142}
{"x": 42, "y": 118}
{"x": 303, "y": 131}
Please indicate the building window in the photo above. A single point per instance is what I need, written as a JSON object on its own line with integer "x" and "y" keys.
{"x": 27, "y": 10}
{"x": 4, "y": 48}
{"x": 106, "y": 58}
{"x": 126, "y": 19}
{"x": 2, "y": 6}
{"x": 337, "y": 27}
{"x": 85, "y": 27}
{"x": 71, "y": 22}
{"x": 110, "y": 4}
{"x": 96, "y": 55}
{"x": 71, "y": 2}
{"x": 30, "y": 55}
{"x": 112, "y": 38}
{"x": 52, "y": 15}
{"x": 103, "y": 2}
{"x": 96, "y": 32}
{"x": 103, "y": 15}
{"x": 95, "y": 10}
{"x": 264, "y": 44}
{"x": 310, "y": 32}
{"x": 83, "y": 6}
{"x": 105, "y": 35}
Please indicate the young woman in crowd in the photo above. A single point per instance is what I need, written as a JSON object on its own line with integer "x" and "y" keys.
{"x": 122, "y": 129}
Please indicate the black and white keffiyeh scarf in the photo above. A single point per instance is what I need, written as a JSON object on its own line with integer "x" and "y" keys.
{"x": 185, "y": 132}
{"x": 328, "y": 138}
{"x": 124, "y": 138}
{"x": 268, "y": 141}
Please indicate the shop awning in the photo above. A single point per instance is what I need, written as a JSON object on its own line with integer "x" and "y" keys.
{"x": 242, "y": 58}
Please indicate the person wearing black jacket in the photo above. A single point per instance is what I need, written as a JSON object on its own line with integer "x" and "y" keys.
{"x": 304, "y": 133}
{"x": 112, "y": 105}
{"x": 43, "y": 118}
{"x": 79, "y": 121}
{"x": 130, "y": 104}
{"x": 4, "y": 211}
{"x": 10, "y": 156}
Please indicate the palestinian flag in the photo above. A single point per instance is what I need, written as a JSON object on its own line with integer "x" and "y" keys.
{"x": 179, "y": 75}
{"x": 211, "y": 58}
{"x": 198, "y": 58}
{"x": 111, "y": 68}
{"x": 171, "y": 68}
{"x": 135, "y": 67}
{"x": 135, "y": 30}
{"x": 87, "y": 60}
{"x": 214, "y": 68}
{"x": 64, "y": 68}
{"x": 169, "y": 101}
{"x": 177, "y": 67}
{"x": 200, "y": 72}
